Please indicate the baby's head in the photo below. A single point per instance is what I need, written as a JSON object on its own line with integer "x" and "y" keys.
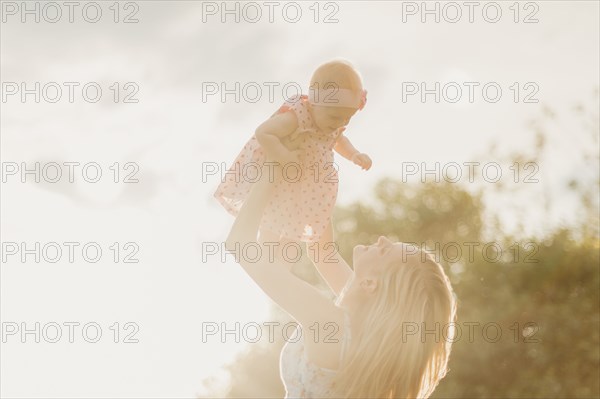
{"x": 336, "y": 93}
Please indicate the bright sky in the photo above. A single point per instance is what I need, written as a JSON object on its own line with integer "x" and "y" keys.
{"x": 171, "y": 55}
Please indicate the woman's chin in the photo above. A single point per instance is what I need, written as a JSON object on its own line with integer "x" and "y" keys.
{"x": 357, "y": 250}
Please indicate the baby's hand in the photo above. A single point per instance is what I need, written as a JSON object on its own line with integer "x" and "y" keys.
{"x": 362, "y": 160}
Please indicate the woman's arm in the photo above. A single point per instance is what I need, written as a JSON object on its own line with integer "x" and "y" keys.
{"x": 298, "y": 298}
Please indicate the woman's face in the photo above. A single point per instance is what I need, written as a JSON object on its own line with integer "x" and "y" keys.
{"x": 370, "y": 260}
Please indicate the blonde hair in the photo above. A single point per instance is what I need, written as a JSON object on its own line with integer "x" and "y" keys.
{"x": 384, "y": 360}
{"x": 338, "y": 73}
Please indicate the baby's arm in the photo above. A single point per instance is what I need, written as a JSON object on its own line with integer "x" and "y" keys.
{"x": 271, "y": 131}
{"x": 344, "y": 147}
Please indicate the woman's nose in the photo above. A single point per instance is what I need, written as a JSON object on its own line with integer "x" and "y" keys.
{"x": 382, "y": 240}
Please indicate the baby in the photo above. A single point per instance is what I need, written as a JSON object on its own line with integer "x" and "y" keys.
{"x": 304, "y": 132}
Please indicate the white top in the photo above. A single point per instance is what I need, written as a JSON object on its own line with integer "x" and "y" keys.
{"x": 302, "y": 378}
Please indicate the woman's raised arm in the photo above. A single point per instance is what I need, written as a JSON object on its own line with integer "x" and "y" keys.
{"x": 298, "y": 298}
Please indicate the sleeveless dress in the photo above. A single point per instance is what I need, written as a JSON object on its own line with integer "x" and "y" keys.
{"x": 302, "y": 202}
{"x": 301, "y": 378}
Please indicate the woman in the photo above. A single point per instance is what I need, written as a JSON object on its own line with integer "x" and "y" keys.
{"x": 391, "y": 318}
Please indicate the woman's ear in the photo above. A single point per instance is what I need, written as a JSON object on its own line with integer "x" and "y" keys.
{"x": 368, "y": 285}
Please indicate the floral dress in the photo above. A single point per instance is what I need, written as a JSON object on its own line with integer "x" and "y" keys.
{"x": 302, "y": 202}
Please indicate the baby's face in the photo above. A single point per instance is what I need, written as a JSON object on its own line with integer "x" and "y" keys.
{"x": 331, "y": 118}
